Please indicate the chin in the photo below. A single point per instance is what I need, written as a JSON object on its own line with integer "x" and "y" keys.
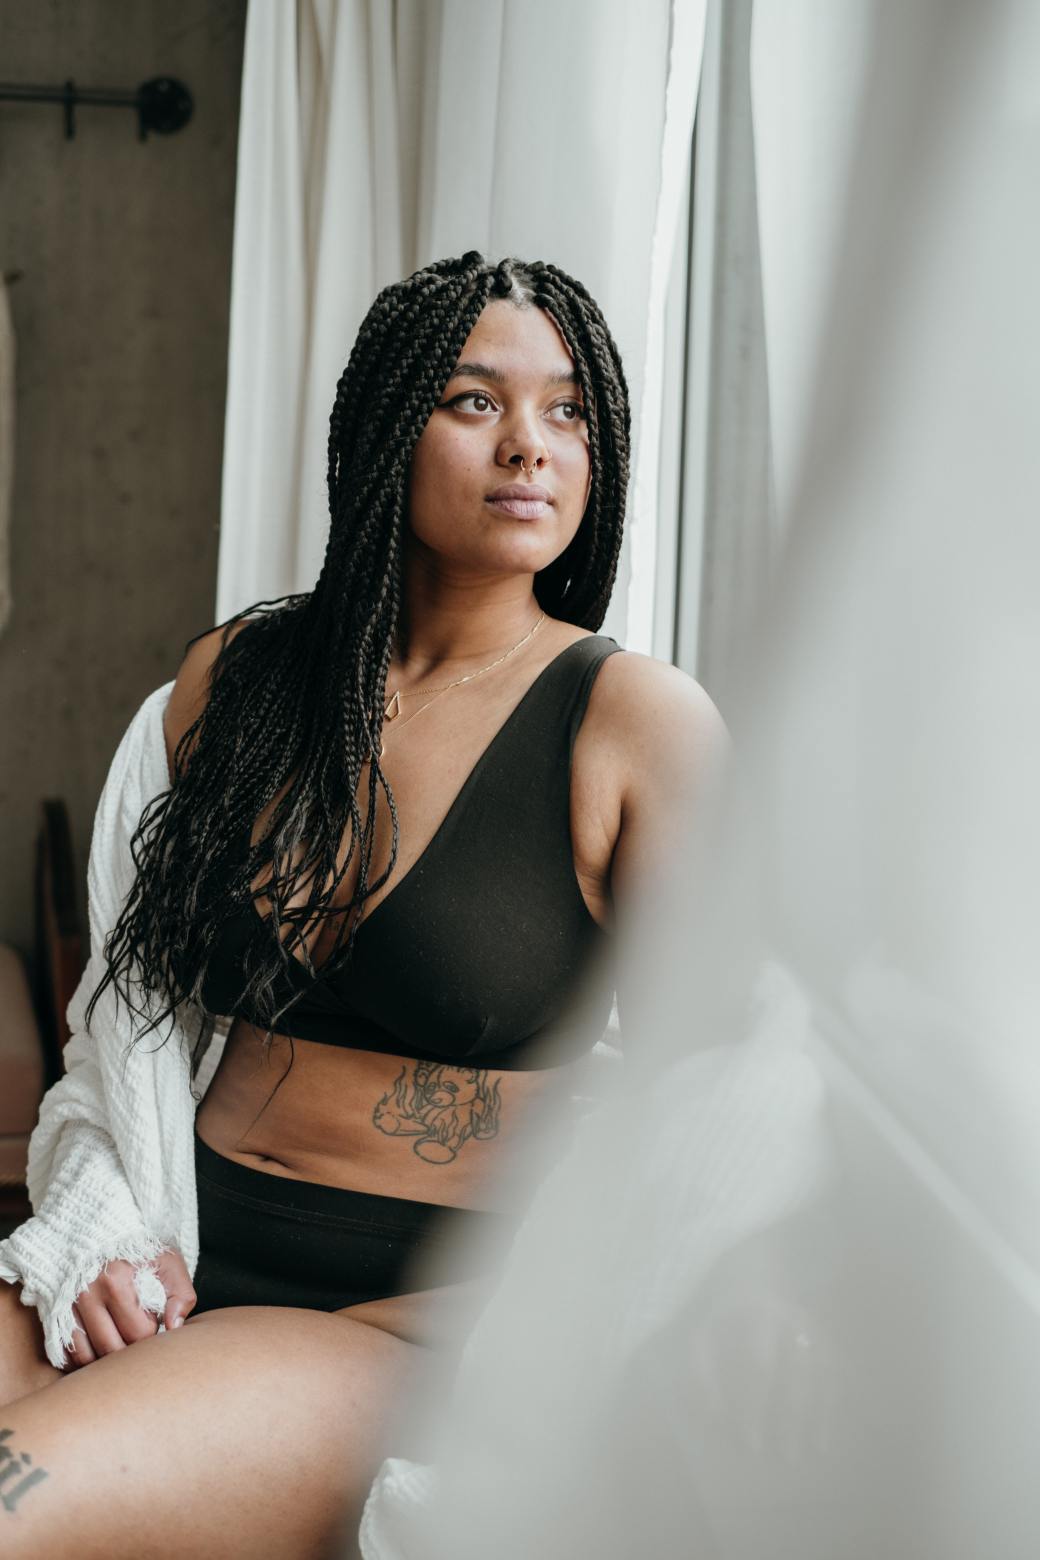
{"x": 519, "y": 560}
{"x": 511, "y": 549}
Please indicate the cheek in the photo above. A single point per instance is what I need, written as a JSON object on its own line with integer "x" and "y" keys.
{"x": 427, "y": 479}
{"x": 582, "y": 471}
{"x": 448, "y": 442}
{"x": 581, "y": 461}
{"x": 444, "y": 462}
{"x": 425, "y": 459}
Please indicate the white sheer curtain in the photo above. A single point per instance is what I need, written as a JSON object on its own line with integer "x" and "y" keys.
{"x": 782, "y": 1295}
{"x": 728, "y": 538}
{"x": 809, "y": 65}
{"x": 376, "y": 137}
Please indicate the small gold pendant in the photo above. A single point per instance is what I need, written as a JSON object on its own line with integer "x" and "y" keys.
{"x": 393, "y": 709}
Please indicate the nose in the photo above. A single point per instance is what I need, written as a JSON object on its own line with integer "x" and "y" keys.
{"x": 525, "y": 447}
{"x": 533, "y": 463}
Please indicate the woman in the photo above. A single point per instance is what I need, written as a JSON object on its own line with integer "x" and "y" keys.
{"x": 405, "y": 812}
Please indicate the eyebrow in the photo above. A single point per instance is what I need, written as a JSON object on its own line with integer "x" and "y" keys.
{"x": 486, "y": 371}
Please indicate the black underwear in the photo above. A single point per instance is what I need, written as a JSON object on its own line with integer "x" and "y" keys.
{"x": 269, "y": 1240}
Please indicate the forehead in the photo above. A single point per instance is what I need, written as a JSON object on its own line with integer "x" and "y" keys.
{"x": 517, "y": 345}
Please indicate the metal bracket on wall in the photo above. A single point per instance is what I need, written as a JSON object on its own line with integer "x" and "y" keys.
{"x": 163, "y": 104}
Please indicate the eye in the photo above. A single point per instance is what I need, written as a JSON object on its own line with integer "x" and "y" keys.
{"x": 470, "y": 395}
{"x": 482, "y": 395}
{"x": 578, "y": 408}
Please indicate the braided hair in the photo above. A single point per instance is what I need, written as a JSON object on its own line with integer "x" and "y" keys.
{"x": 297, "y": 692}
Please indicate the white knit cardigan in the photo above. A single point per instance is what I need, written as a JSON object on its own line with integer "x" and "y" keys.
{"x": 111, "y": 1167}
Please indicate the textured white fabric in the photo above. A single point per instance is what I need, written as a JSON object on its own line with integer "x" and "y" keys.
{"x": 111, "y": 1170}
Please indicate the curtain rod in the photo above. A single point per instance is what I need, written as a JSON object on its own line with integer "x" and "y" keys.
{"x": 163, "y": 104}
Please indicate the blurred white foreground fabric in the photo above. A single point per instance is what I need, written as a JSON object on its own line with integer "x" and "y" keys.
{"x": 780, "y": 1295}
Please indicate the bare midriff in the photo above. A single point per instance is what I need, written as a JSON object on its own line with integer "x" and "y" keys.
{"x": 373, "y": 1122}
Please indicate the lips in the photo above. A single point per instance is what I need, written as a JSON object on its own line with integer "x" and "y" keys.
{"x": 522, "y": 500}
{"x": 526, "y": 492}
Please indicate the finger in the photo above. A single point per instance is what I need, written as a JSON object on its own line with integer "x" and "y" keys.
{"x": 104, "y": 1335}
{"x": 131, "y": 1319}
{"x": 181, "y": 1301}
{"x": 177, "y": 1309}
{"x": 79, "y": 1351}
{"x": 180, "y": 1293}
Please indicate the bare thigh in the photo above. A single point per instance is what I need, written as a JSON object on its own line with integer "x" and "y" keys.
{"x": 24, "y": 1366}
{"x": 251, "y": 1431}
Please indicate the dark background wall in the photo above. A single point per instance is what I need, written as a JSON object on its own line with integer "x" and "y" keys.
{"x": 121, "y": 318}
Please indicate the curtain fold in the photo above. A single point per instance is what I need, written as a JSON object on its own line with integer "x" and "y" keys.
{"x": 730, "y": 539}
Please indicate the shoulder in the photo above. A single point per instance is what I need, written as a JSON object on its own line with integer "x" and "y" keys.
{"x": 662, "y": 728}
{"x": 662, "y": 751}
{"x": 190, "y": 691}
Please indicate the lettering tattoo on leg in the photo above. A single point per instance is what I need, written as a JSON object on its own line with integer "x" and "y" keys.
{"x": 441, "y": 1107}
{"x": 12, "y": 1465}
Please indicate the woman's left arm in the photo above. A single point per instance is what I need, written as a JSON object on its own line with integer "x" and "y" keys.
{"x": 669, "y": 756}
{"x": 672, "y": 757}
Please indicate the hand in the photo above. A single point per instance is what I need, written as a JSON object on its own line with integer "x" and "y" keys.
{"x": 109, "y": 1315}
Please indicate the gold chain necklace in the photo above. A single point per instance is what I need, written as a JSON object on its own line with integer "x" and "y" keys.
{"x": 393, "y": 708}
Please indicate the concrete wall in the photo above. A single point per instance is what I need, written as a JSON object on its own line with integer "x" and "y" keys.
{"x": 121, "y": 320}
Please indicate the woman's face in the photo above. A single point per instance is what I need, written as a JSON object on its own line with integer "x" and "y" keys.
{"x": 518, "y": 398}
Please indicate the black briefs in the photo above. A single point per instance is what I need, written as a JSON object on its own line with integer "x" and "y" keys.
{"x": 270, "y": 1240}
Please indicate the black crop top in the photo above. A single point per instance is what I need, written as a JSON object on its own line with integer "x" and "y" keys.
{"x": 484, "y": 953}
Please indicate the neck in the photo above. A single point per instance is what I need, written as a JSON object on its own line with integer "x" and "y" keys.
{"x": 451, "y": 626}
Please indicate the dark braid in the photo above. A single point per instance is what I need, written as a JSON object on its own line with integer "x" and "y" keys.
{"x": 298, "y": 694}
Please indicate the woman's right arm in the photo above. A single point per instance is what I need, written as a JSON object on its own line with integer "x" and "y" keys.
{"x": 109, "y": 1313}
{"x": 101, "y": 1269}
{"x": 190, "y": 691}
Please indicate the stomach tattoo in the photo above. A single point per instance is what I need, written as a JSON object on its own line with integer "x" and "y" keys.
{"x": 440, "y": 1107}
